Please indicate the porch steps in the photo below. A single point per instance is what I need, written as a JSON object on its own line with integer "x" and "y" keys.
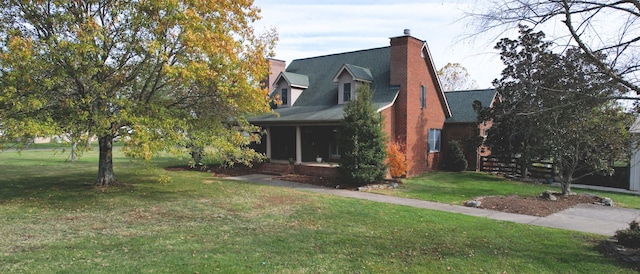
{"x": 276, "y": 169}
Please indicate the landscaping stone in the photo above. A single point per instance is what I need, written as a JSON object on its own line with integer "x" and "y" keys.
{"x": 472, "y": 203}
{"x": 607, "y": 202}
{"x": 549, "y": 195}
{"x": 620, "y": 252}
{"x": 390, "y": 185}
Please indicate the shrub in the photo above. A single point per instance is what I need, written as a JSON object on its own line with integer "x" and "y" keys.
{"x": 396, "y": 160}
{"x": 454, "y": 158}
{"x": 629, "y": 237}
{"x": 362, "y": 141}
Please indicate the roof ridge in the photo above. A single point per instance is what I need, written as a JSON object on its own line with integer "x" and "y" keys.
{"x": 470, "y": 90}
{"x": 340, "y": 53}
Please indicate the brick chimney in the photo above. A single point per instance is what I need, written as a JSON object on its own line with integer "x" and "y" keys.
{"x": 404, "y": 50}
{"x": 275, "y": 68}
{"x": 411, "y": 70}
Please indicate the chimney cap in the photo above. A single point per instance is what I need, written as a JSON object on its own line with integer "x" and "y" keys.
{"x": 407, "y": 32}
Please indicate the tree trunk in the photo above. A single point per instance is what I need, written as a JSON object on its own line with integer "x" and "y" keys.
{"x": 566, "y": 188}
{"x": 74, "y": 148}
{"x": 106, "y": 177}
{"x": 566, "y": 184}
{"x": 524, "y": 168}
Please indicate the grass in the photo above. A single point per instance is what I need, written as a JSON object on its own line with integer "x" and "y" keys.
{"x": 53, "y": 221}
{"x": 456, "y": 188}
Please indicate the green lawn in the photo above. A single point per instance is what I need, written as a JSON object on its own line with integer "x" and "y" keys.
{"x": 456, "y": 188}
{"x": 53, "y": 220}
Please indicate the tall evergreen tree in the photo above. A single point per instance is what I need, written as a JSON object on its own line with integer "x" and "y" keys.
{"x": 362, "y": 141}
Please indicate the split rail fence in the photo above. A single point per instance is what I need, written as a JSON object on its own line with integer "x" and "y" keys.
{"x": 538, "y": 169}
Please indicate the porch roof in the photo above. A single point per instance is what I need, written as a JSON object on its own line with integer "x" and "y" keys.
{"x": 318, "y": 114}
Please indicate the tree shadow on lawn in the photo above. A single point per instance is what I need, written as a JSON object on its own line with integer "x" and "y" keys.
{"x": 73, "y": 189}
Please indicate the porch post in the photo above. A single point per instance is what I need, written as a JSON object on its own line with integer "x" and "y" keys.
{"x": 268, "y": 142}
{"x": 298, "y": 145}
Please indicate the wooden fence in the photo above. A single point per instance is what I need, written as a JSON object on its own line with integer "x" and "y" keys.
{"x": 538, "y": 169}
{"x": 545, "y": 169}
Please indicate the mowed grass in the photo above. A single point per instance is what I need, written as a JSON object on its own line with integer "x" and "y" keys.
{"x": 458, "y": 187}
{"x": 52, "y": 220}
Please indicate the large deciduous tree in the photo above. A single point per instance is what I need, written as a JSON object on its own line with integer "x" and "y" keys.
{"x": 454, "y": 76}
{"x": 598, "y": 28}
{"x": 555, "y": 106}
{"x": 157, "y": 74}
{"x": 362, "y": 141}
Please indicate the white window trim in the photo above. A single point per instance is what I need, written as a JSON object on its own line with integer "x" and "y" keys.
{"x": 438, "y": 141}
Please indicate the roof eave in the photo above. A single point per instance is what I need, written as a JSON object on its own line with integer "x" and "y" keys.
{"x": 437, "y": 83}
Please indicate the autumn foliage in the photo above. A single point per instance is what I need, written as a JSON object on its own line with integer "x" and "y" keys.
{"x": 396, "y": 160}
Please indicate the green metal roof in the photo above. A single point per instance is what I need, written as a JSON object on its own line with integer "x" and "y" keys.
{"x": 461, "y": 104}
{"x": 318, "y": 103}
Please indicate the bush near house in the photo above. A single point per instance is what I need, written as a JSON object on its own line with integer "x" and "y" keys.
{"x": 454, "y": 158}
{"x": 629, "y": 237}
{"x": 396, "y": 160}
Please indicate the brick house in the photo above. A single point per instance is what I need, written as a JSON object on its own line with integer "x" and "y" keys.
{"x": 463, "y": 125}
{"x": 314, "y": 91}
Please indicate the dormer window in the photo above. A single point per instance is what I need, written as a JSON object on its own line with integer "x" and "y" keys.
{"x": 346, "y": 92}
{"x": 289, "y": 86}
{"x": 284, "y": 96}
{"x": 348, "y": 78}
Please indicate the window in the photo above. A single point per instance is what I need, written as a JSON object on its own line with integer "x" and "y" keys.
{"x": 434, "y": 140}
{"x": 346, "y": 92}
{"x": 284, "y": 96}
{"x": 334, "y": 151}
{"x": 423, "y": 97}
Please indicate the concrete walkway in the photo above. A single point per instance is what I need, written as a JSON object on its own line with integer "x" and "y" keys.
{"x": 584, "y": 217}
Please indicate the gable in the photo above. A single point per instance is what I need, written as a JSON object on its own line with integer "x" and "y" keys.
{"x": 293, "y": 79}
{"x": 357, "y": 73}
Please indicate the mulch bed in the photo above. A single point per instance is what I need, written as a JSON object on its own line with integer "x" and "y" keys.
{"x": 532, "y": 205}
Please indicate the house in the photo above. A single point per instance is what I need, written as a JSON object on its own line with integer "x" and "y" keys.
{"x": 313, "y": 92}
{"x": 634, "y": 163}
{"x": 463, "y": 125}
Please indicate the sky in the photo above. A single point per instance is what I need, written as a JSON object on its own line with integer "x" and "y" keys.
{"x": 321, "y": 27}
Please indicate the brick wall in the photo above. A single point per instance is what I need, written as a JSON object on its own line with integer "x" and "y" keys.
{"x": 461, "y": 132}
{"x": 275, "y": 68}
{"x": 326, "y": 172}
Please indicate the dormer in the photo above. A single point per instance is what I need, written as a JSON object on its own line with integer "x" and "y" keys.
{"x": 289, "y": 86}
{"x": 348, "y": 78}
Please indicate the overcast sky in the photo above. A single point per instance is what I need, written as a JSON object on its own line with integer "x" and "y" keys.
{"x": 321, "y": 27}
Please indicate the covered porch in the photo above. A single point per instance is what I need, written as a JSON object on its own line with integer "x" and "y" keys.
{"x": 309, "y": 144}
